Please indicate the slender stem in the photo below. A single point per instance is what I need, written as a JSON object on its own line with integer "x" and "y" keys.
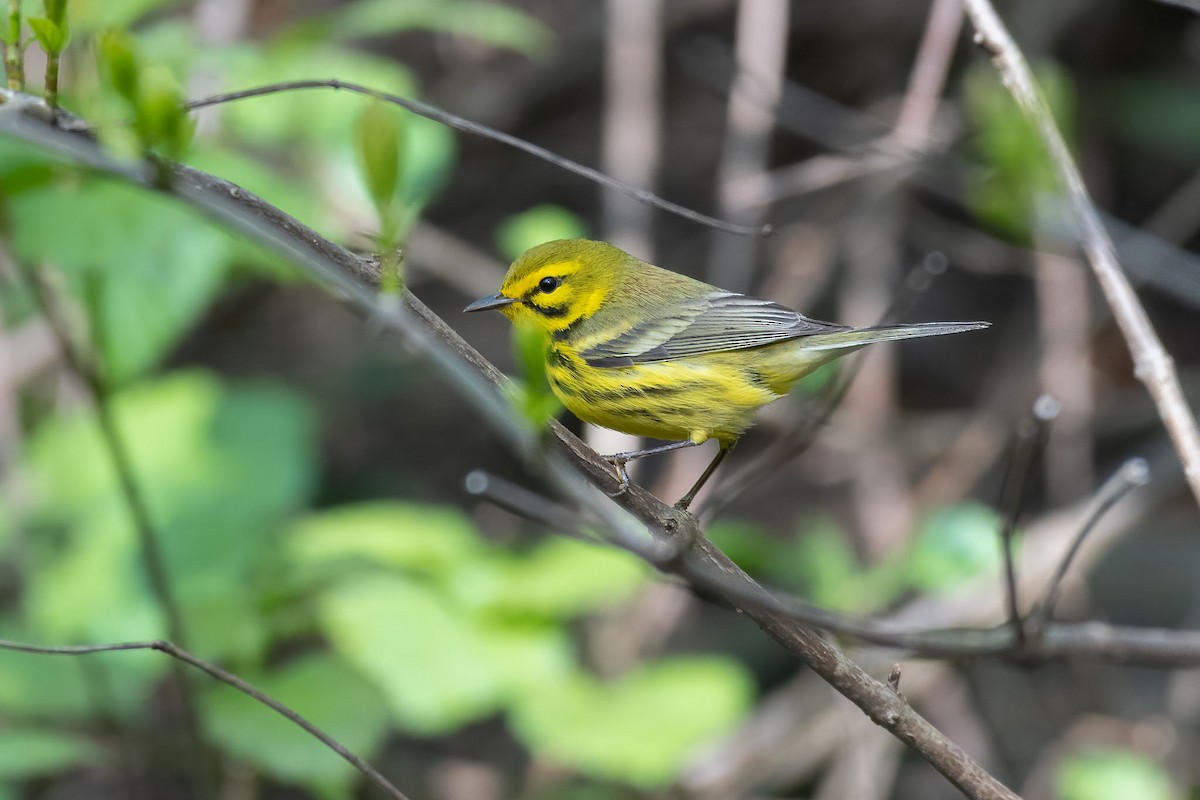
{"x": 153, "y": 561}
{"x": 50, "y": 92}
{"x": 1031, "y": 436}
{"x": 14, "y": 53}
{"x": 467, "y": 126}
{"x": 1133, "y": 473}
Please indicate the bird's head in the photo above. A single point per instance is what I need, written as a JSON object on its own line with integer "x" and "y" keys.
{"x": 554, "y": 285}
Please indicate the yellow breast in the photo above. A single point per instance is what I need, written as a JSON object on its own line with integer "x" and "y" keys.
{"x": 713, "y": 396}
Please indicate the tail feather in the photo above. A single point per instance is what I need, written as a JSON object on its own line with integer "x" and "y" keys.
{"x": 860, "y": 337}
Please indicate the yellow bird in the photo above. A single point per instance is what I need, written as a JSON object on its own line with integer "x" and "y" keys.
{"x": 647, "y": 351}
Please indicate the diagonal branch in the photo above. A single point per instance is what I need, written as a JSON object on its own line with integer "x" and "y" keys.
{"x": 639, "y": 521}
{"x": 1152, "y": 364}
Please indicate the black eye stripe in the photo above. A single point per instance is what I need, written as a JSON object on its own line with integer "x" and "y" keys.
{"x": 550, "y": 311}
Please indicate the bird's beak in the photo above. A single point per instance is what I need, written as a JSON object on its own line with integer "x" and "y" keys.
{"x": 489, "y": 303}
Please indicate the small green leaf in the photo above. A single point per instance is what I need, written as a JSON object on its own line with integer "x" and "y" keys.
{"x": 379, "y": 137}
{"x": 531, "y": 394}
{"x": 56, "y": 10}
{"x": 51, "y": 36}
{"x": 28, "y": 753}
{"x": 640, "y": 729}
{"x": 1113, "y": 775}
{"x": 540, "y": 224}
{"x": 324, "y": 691}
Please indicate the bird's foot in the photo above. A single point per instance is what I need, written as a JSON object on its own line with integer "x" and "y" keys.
{"x": 618, "y": 463}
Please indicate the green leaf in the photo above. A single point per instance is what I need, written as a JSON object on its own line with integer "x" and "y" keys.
{"x": 56, "y": 10}
{"x": 321, "y": 689}
{"x": 640, "y": 729}
{"x": 489, "y": 22}
{"x": 195, "y": 447}
{"x": 156, "y": 266}
{"x": 379, "y": 135}
{"x": 539, "y": 224}
{"x": 29, "y": 752}
{"x": 424, "y": 539}
{"x": 437, "y": 666}
{"x": 954, "y": 544}
{"x": 560, "y": 579}
{"x": 52, "y": 37}
{"x": 162, "y": 122}
{"x": 1113, "y": 775}
{"x": 119, "y": 63}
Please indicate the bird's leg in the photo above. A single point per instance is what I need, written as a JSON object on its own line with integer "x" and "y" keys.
{"x": 687, "y": 499}
{"x": 619, "y": 460}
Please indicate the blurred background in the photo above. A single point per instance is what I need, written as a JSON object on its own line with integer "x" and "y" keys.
{"x": 305, "y": 476}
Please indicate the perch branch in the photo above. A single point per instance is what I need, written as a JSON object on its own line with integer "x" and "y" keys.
{"x": 1152, "y": 364}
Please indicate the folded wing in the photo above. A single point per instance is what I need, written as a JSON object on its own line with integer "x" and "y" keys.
{"x": 714, "y": 323}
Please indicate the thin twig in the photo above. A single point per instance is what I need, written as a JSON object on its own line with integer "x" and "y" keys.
{"x": 1152, "y": 364}
{"x": 229, "y": 679}
{"x": 467, "y": 126}
{"x": 1133, "y": 473}
{"x": 762, "y": 36}
{"x": 1031, "y": 437}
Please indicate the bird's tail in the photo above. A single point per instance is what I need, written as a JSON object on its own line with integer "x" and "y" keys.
{"x": 860, "y": 337}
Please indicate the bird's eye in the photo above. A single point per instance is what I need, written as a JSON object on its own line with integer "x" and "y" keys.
{"x": 548, "y": 285}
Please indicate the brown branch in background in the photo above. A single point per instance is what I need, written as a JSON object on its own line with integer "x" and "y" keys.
{"x": 630, "y": 148}
{"x": 1153, "y": 366}
{"x": 1031, "y": 438}
{"x": 1065, "y": 371}
{"x": 929, "y": 71}
{"x": 467, "y": 126}
{"x": 182, "y": 656}
{"x": 761, "y": 54}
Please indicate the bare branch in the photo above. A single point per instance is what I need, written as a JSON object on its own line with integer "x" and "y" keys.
{"x": 229, "y": 679}
{"x": 1152, "y": 364}
{"x": 467, "y": 126}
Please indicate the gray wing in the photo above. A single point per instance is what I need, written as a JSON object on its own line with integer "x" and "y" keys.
{"x": 715, "y": 323}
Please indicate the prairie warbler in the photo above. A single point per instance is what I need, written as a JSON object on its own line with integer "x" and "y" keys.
{"x": 647, "y": 351}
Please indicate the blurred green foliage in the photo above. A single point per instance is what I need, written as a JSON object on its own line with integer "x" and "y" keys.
{"x": 948, "y": 547}
{"x": 539, "y": 224}
{"x": 1113, "y": 775}
{"x": 1017, "y": 184}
